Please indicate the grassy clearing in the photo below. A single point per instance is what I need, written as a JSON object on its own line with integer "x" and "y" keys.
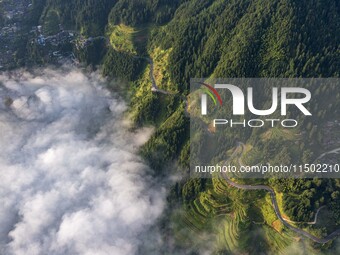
{"x": 277, "y": 133}
{"x": 268, "y": 211}
{"x": 279, "y": 198}
{"x": 161, "y": 66}
{"x": 121, "y": 38}
{"x": 129, "y": 39}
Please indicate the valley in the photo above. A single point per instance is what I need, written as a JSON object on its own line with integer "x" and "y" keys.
{"x": 147, "y": 52}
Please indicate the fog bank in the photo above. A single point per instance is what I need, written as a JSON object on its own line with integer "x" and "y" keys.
{"x": 71, "y": 181}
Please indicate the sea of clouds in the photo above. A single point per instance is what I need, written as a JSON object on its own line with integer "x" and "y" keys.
{"x": 71, "y": 181}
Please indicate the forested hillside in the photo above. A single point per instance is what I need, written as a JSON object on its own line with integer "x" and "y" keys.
{"x": 89, "y": 16}
{"x": 218, "y": 38}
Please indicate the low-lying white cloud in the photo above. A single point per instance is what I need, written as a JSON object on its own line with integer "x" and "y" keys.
{"x": 70, "y": 179}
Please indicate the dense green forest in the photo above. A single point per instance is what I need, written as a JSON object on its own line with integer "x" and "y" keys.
{"x": 216, "y": 38}
{"x": 144, "y": 11}
{"x": 89, "y": 16}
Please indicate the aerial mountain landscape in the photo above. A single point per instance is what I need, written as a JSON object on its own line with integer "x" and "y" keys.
{"x": 97, "y": 108}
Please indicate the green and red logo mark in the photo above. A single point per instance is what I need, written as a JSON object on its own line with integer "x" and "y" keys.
{"x": 239, "y": 99}
{"x": 211, "y": 92}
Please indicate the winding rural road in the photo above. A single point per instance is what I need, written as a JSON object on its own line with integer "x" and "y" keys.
{"x": 324, "y": 240}
{"x": 156, "y": 89}
{"x": 336, "y": 151}
{"x": 284, "y": 221}
{"x": 307, "y": 222}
